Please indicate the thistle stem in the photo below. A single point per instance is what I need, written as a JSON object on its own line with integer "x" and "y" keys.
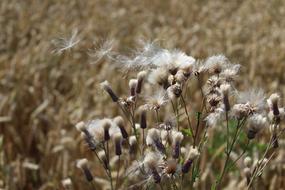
{"x": 188, "y": 117}
{"x": 118, "y": 169}
{"x": 228, "y": 153}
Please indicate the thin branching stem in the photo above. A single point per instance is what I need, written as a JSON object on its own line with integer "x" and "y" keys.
{"x": 188, "y": 117}
{"x": 228, "y": 153}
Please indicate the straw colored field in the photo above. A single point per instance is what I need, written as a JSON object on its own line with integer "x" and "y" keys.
{"x": 43, "y": 95}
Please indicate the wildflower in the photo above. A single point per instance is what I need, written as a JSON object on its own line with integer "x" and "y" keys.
{"x": 193, "y": 153}
{"x": 177, "y": 138}
{"x": 83, "y": 165}
{"x": 174, "y": 91}
{"x": 153, "y": 138}
{"x": 133, "y": 85}
{"x": 254, "y": 99}
{"x": 214, "y": 100}
{"x": 171, "y": 168}
{"x": 230, "y": 72}
{"x": 215, "y": 117}
{"x": 120, "y": 123}
{"x": 180, "y": 77}
{"x": 155, "y": 102}
{"x": 133, "y": 145}
{"x": 117, "y": 137}
{"x": 106, "y": 86}
{"x": 86, "y": 134}
{"x": 186, "y": 63}
{"x": 159, "y": 76}
{"x": 94, "y": 127}
{"x": 106, "y": 124}
{"x": 152, "y": 162}
{"x": 215, "y": 64}
{"x": 140, "y": 78}
{"x": 241, "y": 111}
{"x": 63, "y": 44}
{"x": 273, "y": 101}
{"x": 169, "y": 123}
{"x": 171, "y": 80}
{"x": 256, "y": 123}
{"x": 225, "y": 89}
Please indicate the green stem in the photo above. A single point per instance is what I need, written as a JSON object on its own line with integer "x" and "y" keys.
{"x": 228, "y": 153}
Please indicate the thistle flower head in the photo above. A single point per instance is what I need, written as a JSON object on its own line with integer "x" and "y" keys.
{"x": 140, "y": 78}
{"x": 273, "y": 102}
{"x": 176, "y": 137}
{"x": 159, "y": 76}
{"x": 181, "y": 76}
{"x": 241, "y": 111}
{"x": 215, "y": 117}
{"x": 171, "y": 168}
{"x": 215, "y": 64}
{"x": 117, "y": 137}
{"x": 153, "y": 138}
{"x": 119, "y": 121}
{"x": 152, "y": 135}
{"x": 169, "y": 123}
{"x": 229, "y": 74}
{"x": 133, "y": 85}
{"x": 193, "y": 153}
{"x": 155, "y": 102}
{"x": 106, "y": 86}
{"x": 256, "y": 123}
{"x": 153, "y": 160}
{"x": 174, "y": 91}
{"x": 254, "y": 99}
{"x": 95, "y": 128}
{"x": 133, "y": 144}
{"x": 83, "y": 165}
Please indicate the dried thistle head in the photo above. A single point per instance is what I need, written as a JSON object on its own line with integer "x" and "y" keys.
{"x": 117, "y": 138}
{"x": 256, "y": 123}
{"x": 119, "y": 121}
{"x": 83, "y": 165}
{"x": 254, "y": 99}
{"x": 273, "y": 103}
{"x": 156, "y": 101}
{"x": 215, "y": 64}
{"x": 159, "y": 76}
{"x": 174, "y": 91}
{"x": 133, "y": 85}
{"x": 106, "y": 86}
{"x": 140, "y": 78}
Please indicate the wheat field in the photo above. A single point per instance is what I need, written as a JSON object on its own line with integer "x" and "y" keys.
{"x": 44, "y": 92}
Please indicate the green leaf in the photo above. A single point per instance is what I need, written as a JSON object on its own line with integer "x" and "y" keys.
{"x": 186, "y": 132}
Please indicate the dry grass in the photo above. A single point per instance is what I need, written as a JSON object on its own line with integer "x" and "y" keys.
{"x": 42, "y": 95}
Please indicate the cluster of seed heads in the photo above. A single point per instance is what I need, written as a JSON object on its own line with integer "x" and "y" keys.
{"x": 160, "y": 153}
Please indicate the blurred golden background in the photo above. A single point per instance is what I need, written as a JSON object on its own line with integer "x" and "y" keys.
{"x": 42, "y": 94}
